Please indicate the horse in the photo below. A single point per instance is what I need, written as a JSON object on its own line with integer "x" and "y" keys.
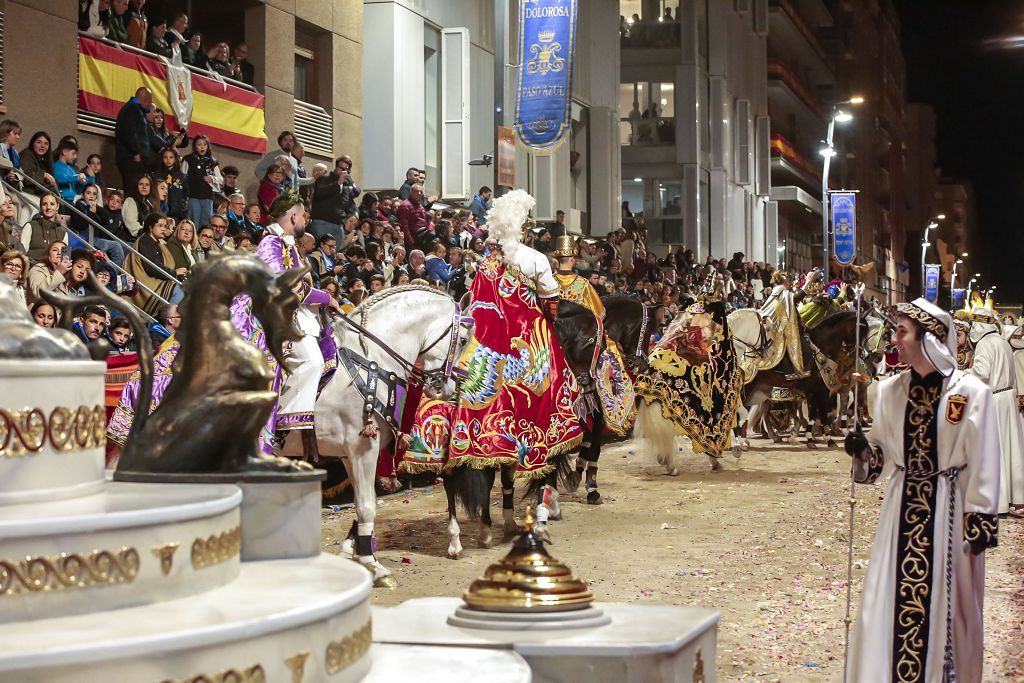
{"x": 630, "y": 323}
{"x": 423, "y": 328}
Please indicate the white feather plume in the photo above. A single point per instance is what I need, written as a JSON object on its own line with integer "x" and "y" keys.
{"x": 507, "y": 215}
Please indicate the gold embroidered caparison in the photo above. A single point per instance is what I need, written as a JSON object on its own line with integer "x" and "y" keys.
{"x": 27, "y": 431}
{"x": 913, "y": 585}
{"x": 925, "y": 320}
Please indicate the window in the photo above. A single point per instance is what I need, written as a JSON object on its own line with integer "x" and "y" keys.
{"x": 305, "y": 75}
{"x": 432, "y": 109}
{"x": 743, "y": 141}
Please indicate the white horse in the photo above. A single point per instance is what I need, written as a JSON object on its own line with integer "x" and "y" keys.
{"x": 407, "y": 326}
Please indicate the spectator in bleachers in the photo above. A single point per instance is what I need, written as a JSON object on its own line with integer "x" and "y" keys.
{"x": 89, "y": 205}
{"x": 70, "y": 181}
{"x": 49, "y": 273}
{"x": 229, "y": 181}
{"x": 412, "y": 175}
{"x": 334, "y": 198}
{"x": 324, "y": 259}
{"x": 94, "y": 169}
{"x": 160, "y": 276}
{"x": 220, "y": 233}
{"x": 243, "y": 242}
{"x": 109, "y": 214}
{"x": 138, "y": 205}
{"x": 160, "y": 196}
{"x": 10, "y": 231}
{"x": 217, "y": 61}
{"x": 82, "y": 263}
{"x": 119, "y": 334}
{"x": 167, "y": 320}
{"x": 436, "y": 267}
{"x": 157, "y": 41}
{"x": 14, "y": 265}
{"x": 44, "y": 314}
{"x": 177, "y": 29}
{"x": 37, "y": 164}
{"x": 117, "y": 21}
{"x": 93, "y": 17}
{"x": 10, "y": 135}
{"x": 116, "y": 282}
{"x": 90, "y": 323}
{"x": 182, "y": 245}
{"x": 160, "y": 137}
{"x": 132, "y": 137}
{"x": 412, "y": 216}
{"x": 285, "y": 142}
{"x": 177, "y": 184}
{"x": 207, "y": 247}
{"x": 271, "y": 188}
{"x": 481, "y": 202}
{"x": 201, "y": 169}
{"x": 244, "y": 68}
{"x": 136, "y": 24}
{"x": 192, "y": 50}
{"x": 44, "y": 229}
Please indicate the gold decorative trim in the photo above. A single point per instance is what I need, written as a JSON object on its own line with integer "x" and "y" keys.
{"x": 68, "y": 571}
{"x": 216, "y": 548}
{"x": 925, "y": 320}
{"x": 166, "y": 554}
{"x": 254, "y": 674}
{"x": 297, "y": 663}
{"x": 26, "y": 432}
{"x": 349, "y": 650}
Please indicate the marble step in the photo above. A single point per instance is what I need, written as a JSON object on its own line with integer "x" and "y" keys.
{"x": 446, "y": 665}
{"x": 284, "y": 620}
{"x": 131, "y": 544}
{"x": 52, "y": 424}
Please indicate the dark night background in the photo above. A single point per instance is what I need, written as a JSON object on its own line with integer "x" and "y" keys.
{"x": 978, "y": 95}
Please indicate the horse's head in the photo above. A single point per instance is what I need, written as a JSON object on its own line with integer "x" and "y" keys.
{"x": 443, "y": 343}
{"x": 274, "y": 298}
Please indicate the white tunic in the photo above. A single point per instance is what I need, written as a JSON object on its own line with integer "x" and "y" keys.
{"x": 535, "y": 266}
{"x": 966, "y": 437}
{"x": 994, "y": 364}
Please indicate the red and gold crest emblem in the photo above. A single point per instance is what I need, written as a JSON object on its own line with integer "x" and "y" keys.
{"x": 956, "y": 408}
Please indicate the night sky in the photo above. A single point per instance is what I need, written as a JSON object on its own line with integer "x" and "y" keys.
{"x": 977, "y": 91}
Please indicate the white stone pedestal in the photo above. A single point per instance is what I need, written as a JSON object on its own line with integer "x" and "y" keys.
{"x": 643, "y": 643}
{"x": 424, "y": 664}
{"x": 280, "y": 518}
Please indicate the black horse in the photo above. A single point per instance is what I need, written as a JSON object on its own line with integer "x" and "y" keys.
{"x": 835, "y": 336}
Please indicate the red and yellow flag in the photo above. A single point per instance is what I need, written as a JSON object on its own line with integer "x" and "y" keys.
{"x": 228, "y": 115}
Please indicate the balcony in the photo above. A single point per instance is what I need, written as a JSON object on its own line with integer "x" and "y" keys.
{"x": 788, "y": 31}
{"x": 788, "y": 94}
{"x": 648, "y": 132}
{"x": 790, "y": 166}
{"x": 229, "y": 113}
{"x": 650, "y": 35}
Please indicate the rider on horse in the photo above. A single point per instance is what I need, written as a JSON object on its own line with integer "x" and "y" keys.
{"x": 779, "y": 310}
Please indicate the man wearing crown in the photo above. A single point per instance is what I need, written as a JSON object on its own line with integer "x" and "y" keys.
{"x": 304, "y": 358}
{"x": 993, "y": 364}
{"x": 609, "y": 397}
{"x": 935, "y": 438}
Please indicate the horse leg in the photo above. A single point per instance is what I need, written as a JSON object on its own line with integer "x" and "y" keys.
{"x": 348, "y": 546}
{"x": 508, "y": 512}
{"x": 716, "y": 465}
{"x": 486, "y": 538}
{"x": 548, "y": 498}
{"x": 589, "y": 455}
{"x": 454, "y": 543}
{"x": 363, "y": 469}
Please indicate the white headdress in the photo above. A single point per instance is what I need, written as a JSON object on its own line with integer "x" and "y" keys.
{"x": 939, "y": 341}
{"x": 983, "y": 322}
{"x": 506, "y": 218}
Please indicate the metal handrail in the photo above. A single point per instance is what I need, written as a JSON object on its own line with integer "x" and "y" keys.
{"x": 206, "y": 73}
{"x": 68, "y": 231}
{"x": 92, "y": 224}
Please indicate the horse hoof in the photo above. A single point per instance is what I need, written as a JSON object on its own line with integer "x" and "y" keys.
{"x": 811, "y": 444}
{"x": 486, "y": 542}
{"x": 454, "y": 554}
{"x": 541, "y": 532}
{"x": 348, "y": 549}
{"x": 573, "y": 481}
{"x": 745, "y": 444}
{"x": 831, "y": 443}
{"x": 737, "y": 452}
{"x": 715, "y": 464}
{"x": 511, "y": 529}
{"x": 672, "y": 471}
{"x": 594, "y": 498}
{"x": 388, "y": 582}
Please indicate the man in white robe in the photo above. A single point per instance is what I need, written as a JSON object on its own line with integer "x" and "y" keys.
{"x": 994, "y": 364}
{"x": 935, "y": 437}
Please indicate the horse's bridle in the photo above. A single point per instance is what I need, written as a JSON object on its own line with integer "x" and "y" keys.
{"x": 433, "y": 379}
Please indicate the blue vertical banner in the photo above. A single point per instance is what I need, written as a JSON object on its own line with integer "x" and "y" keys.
{"x": 547, "y": 49}
{"x": 844, "y": 226}
{"x": 959, "y": 296}
{"x": 932, "y": 272}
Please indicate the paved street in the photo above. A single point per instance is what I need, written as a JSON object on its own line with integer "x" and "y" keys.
{"x": 763, "y": 541}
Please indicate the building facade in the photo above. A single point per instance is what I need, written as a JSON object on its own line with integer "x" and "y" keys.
{"x": 307, "y": 58}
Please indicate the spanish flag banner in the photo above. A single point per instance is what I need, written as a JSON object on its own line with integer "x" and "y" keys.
{"x": 228, "y": 115}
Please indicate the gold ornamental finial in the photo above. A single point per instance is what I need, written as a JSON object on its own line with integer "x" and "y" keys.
{"x": 529, "y": 520}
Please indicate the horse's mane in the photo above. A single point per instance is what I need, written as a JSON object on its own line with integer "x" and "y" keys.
{"x": 826, "y": 326}
{"x": 391, "y": 291}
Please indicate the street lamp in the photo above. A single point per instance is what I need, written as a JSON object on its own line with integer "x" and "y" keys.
{"x": 827, "y": 152}
{"x": 952, "y": 282}
{"x": 932, "y": 224}
{"x": 970, "y": 288}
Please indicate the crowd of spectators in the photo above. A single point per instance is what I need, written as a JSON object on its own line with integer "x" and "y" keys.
{"x": 127, "y": 22}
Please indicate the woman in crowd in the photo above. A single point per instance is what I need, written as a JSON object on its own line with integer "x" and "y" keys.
{"x": 14, "y": 264}
{"x": 44, "y": 314}
{"x": 10, "y": 231}
{"x": 161, "y": 276}
{"x": 203, "y": 180}
{"x": 138, "y": 205}
{"x": 82, "y": 263}
{"x": 243, "y": 242}
{"x": 177, "y": 184}
{"x": 49, "y": 273}
{"x": 160, "y": 199}
{"x": 160, "y": 138}
{"x": 45, "y": 228}
{"x": 183, "y": 245}
{"x": 10, "y": 135}
{"x": 37, "y": 164}
{"x": 271, "y": 187}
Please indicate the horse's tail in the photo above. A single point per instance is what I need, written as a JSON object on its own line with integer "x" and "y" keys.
{"x": 472, "y": 489}
{"x": 657, "y": 434}
{"x": 562, "y": 472}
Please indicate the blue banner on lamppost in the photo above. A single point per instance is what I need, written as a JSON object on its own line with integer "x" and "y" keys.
{"x": 547, "y": 47}
{"x": 844, "y": 226}
{"x": 932, "y": 271}
{"x": 959, "y": 295}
